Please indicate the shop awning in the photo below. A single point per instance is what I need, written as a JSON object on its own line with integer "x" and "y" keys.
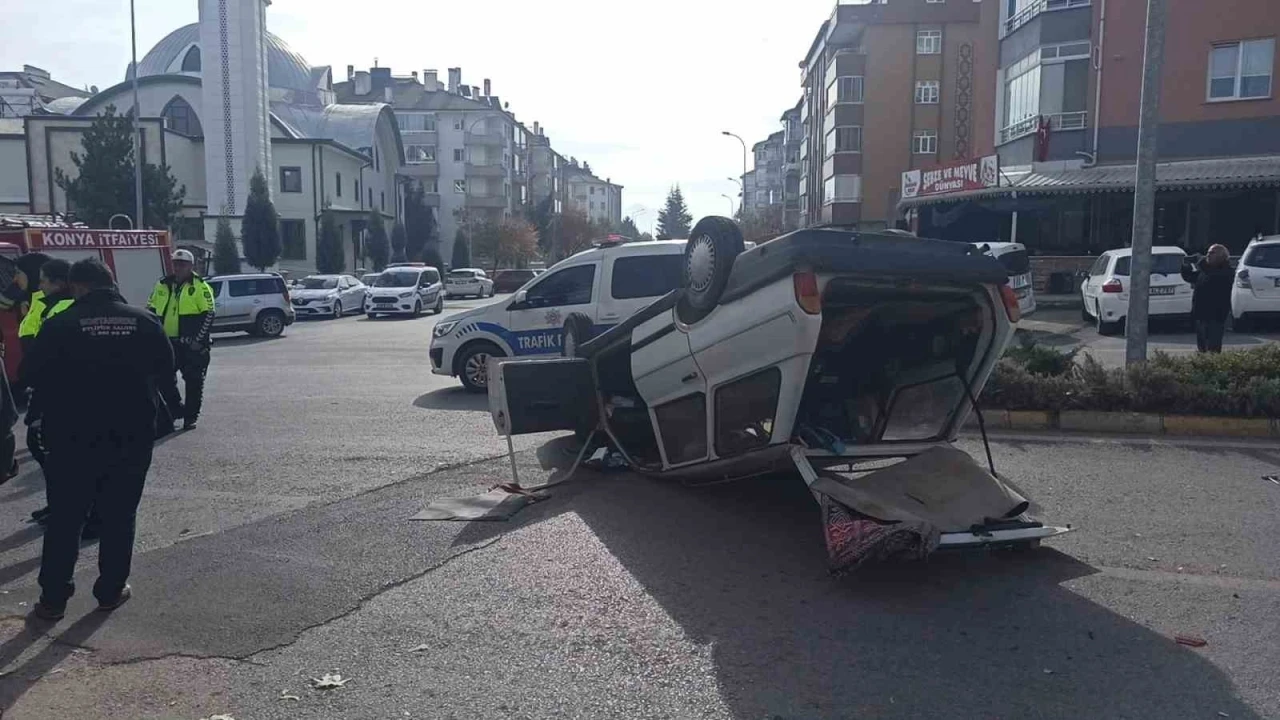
{"x": 1178, "y": 175}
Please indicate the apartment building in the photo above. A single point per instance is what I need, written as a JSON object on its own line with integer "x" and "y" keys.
{"x": 1069, "y": 81}
{"x": 461, "y": 143}
{"x": 891, "y": 87}
{"x": 764, "y": 183}
{"x": 600, "y": 200}
{"x": 546, "y": 171}
{"x": 792, "y": 137}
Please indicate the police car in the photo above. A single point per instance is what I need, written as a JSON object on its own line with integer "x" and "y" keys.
{"x": 405, "y": 289}
{"x": 606, "y": 284}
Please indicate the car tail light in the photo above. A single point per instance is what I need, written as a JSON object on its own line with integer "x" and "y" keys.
{"x": 1112, "y": 286}
{"x": 807, "y": 295}
{"x": 1010, "y": 303}
{"x": 284, "y": 290}
{"x": 1242, "y": 280}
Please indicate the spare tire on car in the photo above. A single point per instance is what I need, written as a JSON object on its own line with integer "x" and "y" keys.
{"x": 713, "y": 245}
{"x": 578, "y": 329}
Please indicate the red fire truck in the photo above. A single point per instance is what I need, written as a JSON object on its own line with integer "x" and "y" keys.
{"x": 137, "y": 257}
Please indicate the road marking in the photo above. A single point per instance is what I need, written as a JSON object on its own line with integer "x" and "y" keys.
{"x": 1225, "y": 582}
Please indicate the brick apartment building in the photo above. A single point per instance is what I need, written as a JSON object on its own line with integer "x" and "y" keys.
{"x": 890, "y": 87}
{"x": 1063, "y": 119}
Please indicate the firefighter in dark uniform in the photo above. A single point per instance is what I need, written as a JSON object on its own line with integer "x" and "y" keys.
{"x": 184, "y": 303}
{"x": 95, "y": 367}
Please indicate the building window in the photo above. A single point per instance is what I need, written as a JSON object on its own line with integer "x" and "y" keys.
{"x": 927, "y": 92}
{"x": 290, "y": 179}
{"x": 1022, "y": 97}
{"x": 382, "y": 196}
{"x": 844, "y": 139}
{"x": 431, "y": 186}
{"x": 925, "y": 142}
{"x": 842, "y": 188}
{"x": 847, "y": 89}
{"x": 928, "y": 42}
{"x": 180, "y": 117}
{"x": 457, "y": 123}
{"x": 370, "y": 197}
{"x": 418, "y": 154}
{"x": 337, "y": 183}
{"x": 191, "y": 63}
{"x": 356, "y": 195}
{"x": 1241, "y": 70}
{"x": 460, "y": 186}
{"x": 934, "y": 2}
{"x": 377, "y": 164}
{"x": 293, "y": 240}
{"x": 459, "y": 155}
{"x": 416, "y": 122}
{"x": 593, "y": 190}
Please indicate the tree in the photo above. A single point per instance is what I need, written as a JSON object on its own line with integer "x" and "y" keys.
{"x": 461, "y": 250}
{"x": 260, "y": 228}
{"x": 512, "y": 242}
{"x": 674, "y": 218}
{"x": 544, "y": 219}
{"x": 399, "y": 239}
{"x": 629, "y": 229}
{"x": 330, "y": 258}
{"x": 576, "y": 232}
{"x": 761, "y": 225}
{"x": 376, "y": 245}
{"x": 226, "y": 255}
{"x": 432, "y": 257}
{"x": 419, "y": 222}
{"x": 104, "y": 181}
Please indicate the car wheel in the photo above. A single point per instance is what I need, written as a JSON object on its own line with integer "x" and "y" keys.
{"x": 270, "y": 323}
{"x": 713, "y": 245}
{"x": 1108, "y": 328}
{"x": 337, "y": 309}
{"x": 473, "y": 366}
{"x": 1084, "y": 312}
{"x": 578, "y": 329}
{"x": 439, "y": 305}
{"x": 417, "y": 307}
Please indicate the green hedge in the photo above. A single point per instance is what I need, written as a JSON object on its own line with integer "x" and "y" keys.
{"x": 1239, "y": 383}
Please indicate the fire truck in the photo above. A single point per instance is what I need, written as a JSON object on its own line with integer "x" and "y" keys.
{"x": 138, "y": 258}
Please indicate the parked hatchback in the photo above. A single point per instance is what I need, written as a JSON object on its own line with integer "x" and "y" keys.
{"x": 258, "y": 304}
{"x": 1256, "y": 295}
{"x": 1106, "y": 291}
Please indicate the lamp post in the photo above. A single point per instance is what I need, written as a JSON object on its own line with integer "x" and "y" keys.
{"x": 137, "y": 123}
{"x": 744, "y": 166}
{"x": 726, "y": 197}
{"x": 637, "y": 214}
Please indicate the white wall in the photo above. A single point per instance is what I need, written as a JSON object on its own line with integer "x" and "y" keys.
{"x": 63, "y": 138}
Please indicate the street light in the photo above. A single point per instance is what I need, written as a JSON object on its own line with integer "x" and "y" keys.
{"x": 726, "y": 197}
{"x": 137, "y": 124}
{"x": 744, "y": 166}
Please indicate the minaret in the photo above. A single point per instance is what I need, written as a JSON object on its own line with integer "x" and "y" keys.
{"x": 237, "y": 127}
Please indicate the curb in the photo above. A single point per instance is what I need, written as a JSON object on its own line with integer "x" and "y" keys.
{"x": 1128, "y": 423}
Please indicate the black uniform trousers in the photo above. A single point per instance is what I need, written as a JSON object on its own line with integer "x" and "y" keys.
{"x": 108, "y": 472}
{"x": 193, "y": 364}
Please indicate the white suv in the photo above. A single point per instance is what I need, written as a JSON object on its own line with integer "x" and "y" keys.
{"x": 256, "y": 303}
{"x": 1106, "y": 291}
{"x": 605, "y": 284}
{"x": 1256, "y": 295}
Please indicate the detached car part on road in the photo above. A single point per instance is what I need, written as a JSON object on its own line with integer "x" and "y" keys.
{"x": 832, "y": 351}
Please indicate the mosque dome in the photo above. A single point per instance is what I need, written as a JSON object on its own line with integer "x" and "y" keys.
{"x": 179, "y": 52}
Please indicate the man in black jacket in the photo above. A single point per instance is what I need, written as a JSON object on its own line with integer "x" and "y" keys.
{"x": 1211, "y": 278}
{"x": 95, "y": 367}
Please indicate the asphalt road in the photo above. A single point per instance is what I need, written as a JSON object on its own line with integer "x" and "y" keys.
{"x": 1064, "y": 328}
{"x": 274, "y": 547}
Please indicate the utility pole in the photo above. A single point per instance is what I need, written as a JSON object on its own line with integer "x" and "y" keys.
{"x": 1144, "y": 190}
{"x": 137, "y": 125}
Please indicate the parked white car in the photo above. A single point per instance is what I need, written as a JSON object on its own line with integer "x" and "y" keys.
{"x": 1014, "y": 258}
{"x": 1256, "y": 295}
{"x": 256, "y": 303}
{"x": 1105, "y": 292}
{"x": 405, "y": 290}
{"x": 599, "y": 287}
{"x": 821, "y": 349}
{"x": 468, "y": 281}
{"x": 328, "y": 296}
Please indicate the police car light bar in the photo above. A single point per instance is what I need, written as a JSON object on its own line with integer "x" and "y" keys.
{"x": 611, "y": 240}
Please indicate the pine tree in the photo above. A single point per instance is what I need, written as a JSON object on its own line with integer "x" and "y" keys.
{"x": 419, "y": 222}
{"x": 377, "y": 246}
{"x": 226, "y": 255}
{"x": 431, "y": 257}
{"x": 674, "y": 218}
{"x": 330, "y": 258}
{"x": 629, "y": 229}
{"x": 104, "y": 182}
{"x": 399, "y": 238}
{"x": 260, "y": 228}
{"x": 461, "y": 250}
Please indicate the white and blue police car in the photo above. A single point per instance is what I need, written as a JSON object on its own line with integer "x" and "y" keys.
{"x": 607, "y": 283}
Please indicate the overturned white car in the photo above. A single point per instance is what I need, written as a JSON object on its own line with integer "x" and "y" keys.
{"x": 854, "y": 356}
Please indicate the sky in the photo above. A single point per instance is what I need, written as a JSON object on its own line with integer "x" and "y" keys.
{"x": 640, "y": 90}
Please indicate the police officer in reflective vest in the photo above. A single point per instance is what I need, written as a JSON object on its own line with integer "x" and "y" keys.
{"x": 184, "y": 303}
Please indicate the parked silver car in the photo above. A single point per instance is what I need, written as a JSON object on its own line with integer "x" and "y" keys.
{"x": 468, "y": 281}
{"x": 328, "y": 295}
{"x": 256, "y": 303}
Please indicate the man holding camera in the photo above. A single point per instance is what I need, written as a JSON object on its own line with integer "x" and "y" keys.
{"x": 1211, "y": 278}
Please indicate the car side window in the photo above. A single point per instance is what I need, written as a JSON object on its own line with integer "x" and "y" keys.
{"x": 432, "y": 276}
{"x": 216, "y": 288}
{"x": 247, "y": 287}
{"x": 646, "y": 276}
{"x": 1099, "y": 266}
{"x": 570, "y": 286}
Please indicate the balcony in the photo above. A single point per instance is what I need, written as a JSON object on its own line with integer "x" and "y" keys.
{"x": 422, "y": 169}
{"x": 493, "y": 170}
{"x": 1039, "y": 6}
{"x": 486, "y": 201}
{"x": 432, "y": 199}
{"x": 1057, "y": 122}
{"x": 486, "y": 138}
